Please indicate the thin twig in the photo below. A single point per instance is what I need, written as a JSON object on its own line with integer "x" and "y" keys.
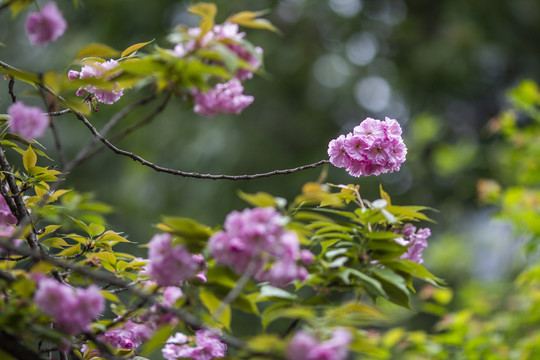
{"x": 82, "y": 155}
{"x": 21, "y": 213}
{"x": 58, "y": 113}
{"x": 10, "y": 89}
{"x": 132, "y": 128}
{"x": 49, "y": 106}
{"x": 238, "y": 287}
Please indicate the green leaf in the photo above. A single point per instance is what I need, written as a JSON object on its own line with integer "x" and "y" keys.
{"x": 110, "y": 296}
{"x": 262, "y": 343}
{"x": 55, "y": 242}
{"x": 81, "y": 224}
{"x": 111, "y": 237}
{"x": 408, "y": 212}
{"x": 261, "y": 199}
{"x": 134, "y": 48}
{"x": 415, "y": 269}
{"x": 211, "y": 302}
{"x": 297, "y": 312}
{"x": 372, "y": 285}
{"x": 394, "y": 286}
{"x": 97, "y": 50}
{"x": 95, "y": 229}
{"x": 106, "y": 256}
{"x": 158, "y": 340}
{"x": 269, "y": 292}
{"x": 29, "y": 159}
{"x": 48, "y": 229}
{"x": 75, "y": 249}
{"x": 384, "y": 195}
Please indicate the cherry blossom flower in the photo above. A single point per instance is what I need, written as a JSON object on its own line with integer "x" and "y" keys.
{"x": 306, "y": 347}
{"x": 27, "y": 121}
{"x": 96, "y": 70}
{"x": 227, "y": 98}
{"x": 255, "y": 240}
{"x": 45, "y": 26}
{"x": 374, "y": 147}
{"x": 72, "y": 309}
{"x": 168, "y": 264}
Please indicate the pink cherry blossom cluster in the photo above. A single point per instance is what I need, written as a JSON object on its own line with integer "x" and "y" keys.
{"x": 228, "y": 97}
{"x": 303, "y": 346}
{"x": 96, "y": 70}
{"x": 374, "y": 147}
{"x": 416, "y": 241}
{"x": 170, "y": 264}
{"x": 45, "y": 26}
{"x": 129, "y": 335}
{"x": 72, "y": 309}
{"x": 255, "y": 240}
{"x": 227, "y": 35}
{"x": 208, "y": 346}
{"x": 27, "y": 121}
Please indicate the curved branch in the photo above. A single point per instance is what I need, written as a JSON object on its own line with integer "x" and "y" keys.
{"x": 185, "y": 173}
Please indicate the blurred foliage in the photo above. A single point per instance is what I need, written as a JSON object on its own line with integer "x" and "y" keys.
{"x": 492, "y": 320}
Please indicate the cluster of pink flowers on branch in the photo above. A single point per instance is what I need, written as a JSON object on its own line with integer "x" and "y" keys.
{"x": 205, "y": 345}
{"x": 129, "y": 335}
{"x": 255, "y": 241}
{"x": 96, "y": 70}
{"x": 228, "y": 97}
{"x": 72, "y": 309}
{"x": 45, "y": 26}
{"x": 304, "y": 346}
{"x": 373, "y": 148}
{"x": 28, "y": 121}
{"x": 416, "y": 242}
{"x": 227, "y": 35}
{"x": 170, "y": 264}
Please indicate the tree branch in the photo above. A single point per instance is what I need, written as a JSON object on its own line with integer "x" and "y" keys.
{"x": 21, "y": 213}
{"x": 185, "y": 173}
{"x": 10, "y": 89}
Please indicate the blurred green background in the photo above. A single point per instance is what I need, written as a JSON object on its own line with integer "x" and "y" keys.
{"x": 441, "y": 68}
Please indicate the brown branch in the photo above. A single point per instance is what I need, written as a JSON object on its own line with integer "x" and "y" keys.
{"x": 185, "y": 173}
{"x": 10, "y": 89}
{"x": 21, "y": 213}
